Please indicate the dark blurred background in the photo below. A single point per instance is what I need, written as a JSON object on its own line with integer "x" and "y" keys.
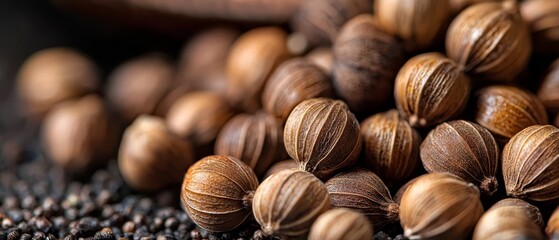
{"x": 28, "y": 26}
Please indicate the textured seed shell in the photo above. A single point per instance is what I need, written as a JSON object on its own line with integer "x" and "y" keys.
{"x": 506, "y": 110}
{"x": 417, "y": 22}
{"x": 320, "y": 20}
{"x": 366, "y": 60}
{"x": 390, "y": 146}
{"x": 531, "y": 211}
{"x": 199, "y": 116}
{"x": 138, "y": 86}
{"x": 549, "y": 89}
{"x": 216, "y": 192}
{"x": 552, "y": 228}
{"x": 279, "y": 166}
{"x": 53, "y": 75}
{"x": 430, "y": 89}
{"x": 251, "y": 60}
{"x": 255, "y": 139}
{"x": 151, "y": 156}
{"x": 322, "y": 135}
{"x": 340, "y": 224}
{"x": 464, "y": 149}
{"x": 440, "y": 206}
{"x": 542, "y": 16}
{"x": 288, "y": 202}
{"x": 506, "y": 223}
{"x": 490, "y": 40}
{"x": 292, "y": 82}
{"x": 531, "y": 163}
{"x": 363, "y": 191}
{"x": 78, "y": 134}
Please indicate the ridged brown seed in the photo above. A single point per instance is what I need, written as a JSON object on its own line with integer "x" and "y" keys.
{"x": 430, "y": 89}
{"x": 366, "y": 61}
{"x": 464, "y": 149}
{"x": 53, "y": 75}
{"x": 217, "y": 193}
{"x": 203, "y": 58}
{"x": 320, "y": 21}
{"x": 279, "y": 166}
{"x": 390, "y": 146}
{"x": 339, "y": 224}
{"x": 490, "y": 40}
{"x": 542, "y": 17}
{"x": 549, "y": 89}
{"x": 255, "y": 139}
{"x": 151, "y": 156}
{"x": 323, "y": 58}
{"x": 199, "y": 116}
{"x": 322, "y": 135}
{"x": 531, "y": 211}
{"x": 288, "y": 202}
{"x": 79, "y": 135}
{"x": 440, "y": 206}
{"x": 552, "y": 228}
{"x": 506, "y": 110}
{"x": 294, "y": 81}
{"x": 252, "y": 59}
{"x": 505, "y": 221}
{"x": 138, "y": 86}
{"x": 417, "y": 22}
{"x": 363, "y": 191}
{"x": 531, "y": 163}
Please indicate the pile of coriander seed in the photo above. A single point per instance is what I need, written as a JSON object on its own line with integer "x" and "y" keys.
{"x": 439, "y": 116}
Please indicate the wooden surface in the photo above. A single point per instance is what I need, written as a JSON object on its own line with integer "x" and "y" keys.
{"x": 251, "y": 11}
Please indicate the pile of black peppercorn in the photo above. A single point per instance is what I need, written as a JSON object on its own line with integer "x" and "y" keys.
{"x": 41, "y": 202}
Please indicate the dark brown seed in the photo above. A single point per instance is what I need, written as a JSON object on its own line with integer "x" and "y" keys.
{"x": 464, "y": 149}
{"x": 363, "y": 191}
{"x": 366, "y": 61}
{"x": 255, "y": 139}
{"x": 292, "y": 82}
{"x": 319, "y": 21}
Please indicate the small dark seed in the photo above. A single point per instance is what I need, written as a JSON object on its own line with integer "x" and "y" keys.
{"x": 25, "y": 236}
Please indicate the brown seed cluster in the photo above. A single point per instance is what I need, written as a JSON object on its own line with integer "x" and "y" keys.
{"x": 442, "y": 102}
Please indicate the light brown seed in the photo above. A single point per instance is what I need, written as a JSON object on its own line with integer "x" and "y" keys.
{"x": 322, "y": 135}
{"x": 288, "y": 202}
{"x": 490, "y": 40}
{"x": 531, "y": 163}
{"x": 217, "y": 192}
{"x": 390, "y": 146}
{"x": 440, "y": 206}
{"x": 430, "y": 89}
{"x": 339, "y": 224}
{"x": 506, "y": 110}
